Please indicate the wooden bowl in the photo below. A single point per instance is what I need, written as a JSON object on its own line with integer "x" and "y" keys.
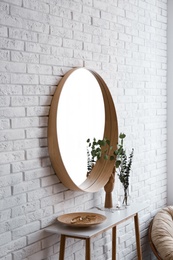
{"x": 81, "y": 219}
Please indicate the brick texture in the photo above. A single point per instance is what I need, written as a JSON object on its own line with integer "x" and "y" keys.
{"x": 125, "y": 42}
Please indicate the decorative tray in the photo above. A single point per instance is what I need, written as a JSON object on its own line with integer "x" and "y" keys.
{"x": 81, "y": 219}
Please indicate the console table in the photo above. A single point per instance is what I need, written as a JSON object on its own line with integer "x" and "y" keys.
{"x": 114, "y": 217}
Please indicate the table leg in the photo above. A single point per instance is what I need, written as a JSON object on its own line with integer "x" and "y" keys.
{"x": 114, "y": 242}
{"x": 137, "y": 232}
{"x": 62, "y": 247}
{"x": 88, "y": 249}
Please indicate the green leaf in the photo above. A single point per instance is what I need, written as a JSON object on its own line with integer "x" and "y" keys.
{"x": 122, "y": 136}
{"x": 108, "y": 142}
{"x": 112, "y": 158}
{"x": 118, "y": 163}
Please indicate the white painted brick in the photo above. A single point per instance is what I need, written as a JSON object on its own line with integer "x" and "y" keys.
{"x": 75, "y": 6}
{"x": 39, "y": 214}
{"x": 4, "y": 123}
{"x": 25, "y": 165}
{"x": 50, "y": 60}
{"x": 3, "y": 31}
{"x": 24, "y": 101}
{"x": 41, "y": 254}
{"x": 58, "y": 187}
{"x": 66, "y": 52}
{"x": 25, "y": 122}
{"x": 26, "y": 186}
{"x": 4, "y": 169}
{"x": 28, "y": 14}
{"x": 50, "y": 39}
{"x": 11, "y": 67}
{"x": 73, "y": 25}
{"x": 12, "y": 135}
{"x": 24, "y": 57}
{"x": 60, "y": 11}
{"x": 45, "y": 100}
{"x": 41, "y": 7}
{"x": 10, "y": 90}
{"x": 25, "y": 210}
{"x": 13, "y": 245}
{"x": 46, "y": 242}
{"x": 80, "y": 54}
{"x": 40, "y": 27}
{"x": 50, "y": 180}
{"x": 8, "y": 157}
{"x": 28, "y": 250}
{"x": 49, "y": 80}
{"x": 70, "y": 62}
{"x": 48, "y": 220}
{"x": 93, "y": 30}
{"x": 99, "y": 40}
{"x": 4, "y": 55}
{"x": 6, "y": 43}
{"x": 82, "y": 18}
{"x": 36, "y": 236}
{"x": 12, "y": 201}
{"x": 38, "y": 111}
{"x": 22, "y": 34}
{"x": 37, "y": 153}
{"x": 25, "y": 230}
{"x": 5, "y": 192}
{"x": 4, "y": 101}
{"x": 4, "y": 78}
{"x": 36, "y": 132}
{"x": 51, "y": 200}
{"x": 39, "y": 69}
{"x": 9, "y": 20}
{"x": 43, "y": 121}
{"x": 4, "y": 8}
{"x": 37, "y": 173}
{"x": 39, "y": 194}
{"x": 68, "y": 43}
{"x": 36, "y": 89}
{"x": 24, "y": 79}
{"x": 61, "y": 32}
{"x": 91, "y": 11}
{"x": 15, "y": 2}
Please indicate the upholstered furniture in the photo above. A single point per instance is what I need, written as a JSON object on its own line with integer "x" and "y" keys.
{"x": 161, "y": 234}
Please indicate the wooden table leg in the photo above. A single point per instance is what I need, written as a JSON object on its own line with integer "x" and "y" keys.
{"x": 114, "y": 242}
{"x": 62, "y": 247}
{"x": 88, "y": 249}
{"x": 137, "y": 231}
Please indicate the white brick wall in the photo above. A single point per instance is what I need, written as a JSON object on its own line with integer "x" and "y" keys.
{"x": 123, "y": 40}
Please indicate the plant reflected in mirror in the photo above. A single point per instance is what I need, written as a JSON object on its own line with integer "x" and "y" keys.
{"x": 103, "y": 149}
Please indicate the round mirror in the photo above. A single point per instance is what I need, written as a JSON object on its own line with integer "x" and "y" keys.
{"x": 81, "y": 108}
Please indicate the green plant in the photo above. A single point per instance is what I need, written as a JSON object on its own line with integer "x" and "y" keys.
{"x": 123, "y": 162}
{"x": 103, "y": 148}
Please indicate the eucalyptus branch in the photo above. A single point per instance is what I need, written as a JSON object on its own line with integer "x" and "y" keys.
{"x": 101, "y": 149}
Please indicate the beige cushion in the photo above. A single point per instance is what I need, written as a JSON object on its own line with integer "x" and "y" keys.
{"x": 162, "y": 233}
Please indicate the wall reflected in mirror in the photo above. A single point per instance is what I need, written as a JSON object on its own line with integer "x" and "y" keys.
{"x": 80, "y": 115}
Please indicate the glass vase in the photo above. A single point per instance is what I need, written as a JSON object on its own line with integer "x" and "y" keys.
{"x": 126, "y": 197}
{"x": 123, "y": 194}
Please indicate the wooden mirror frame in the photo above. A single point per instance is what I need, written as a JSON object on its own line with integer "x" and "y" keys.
{"x": 103, "y": 168}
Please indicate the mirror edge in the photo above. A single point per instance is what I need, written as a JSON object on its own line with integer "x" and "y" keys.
{"x": 103, "y": 168}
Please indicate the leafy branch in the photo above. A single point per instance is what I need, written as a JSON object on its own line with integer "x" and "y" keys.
{"x": 102, "y": 149}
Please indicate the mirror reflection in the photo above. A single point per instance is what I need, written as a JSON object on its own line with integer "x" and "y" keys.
{"x": 80, "y": 115}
